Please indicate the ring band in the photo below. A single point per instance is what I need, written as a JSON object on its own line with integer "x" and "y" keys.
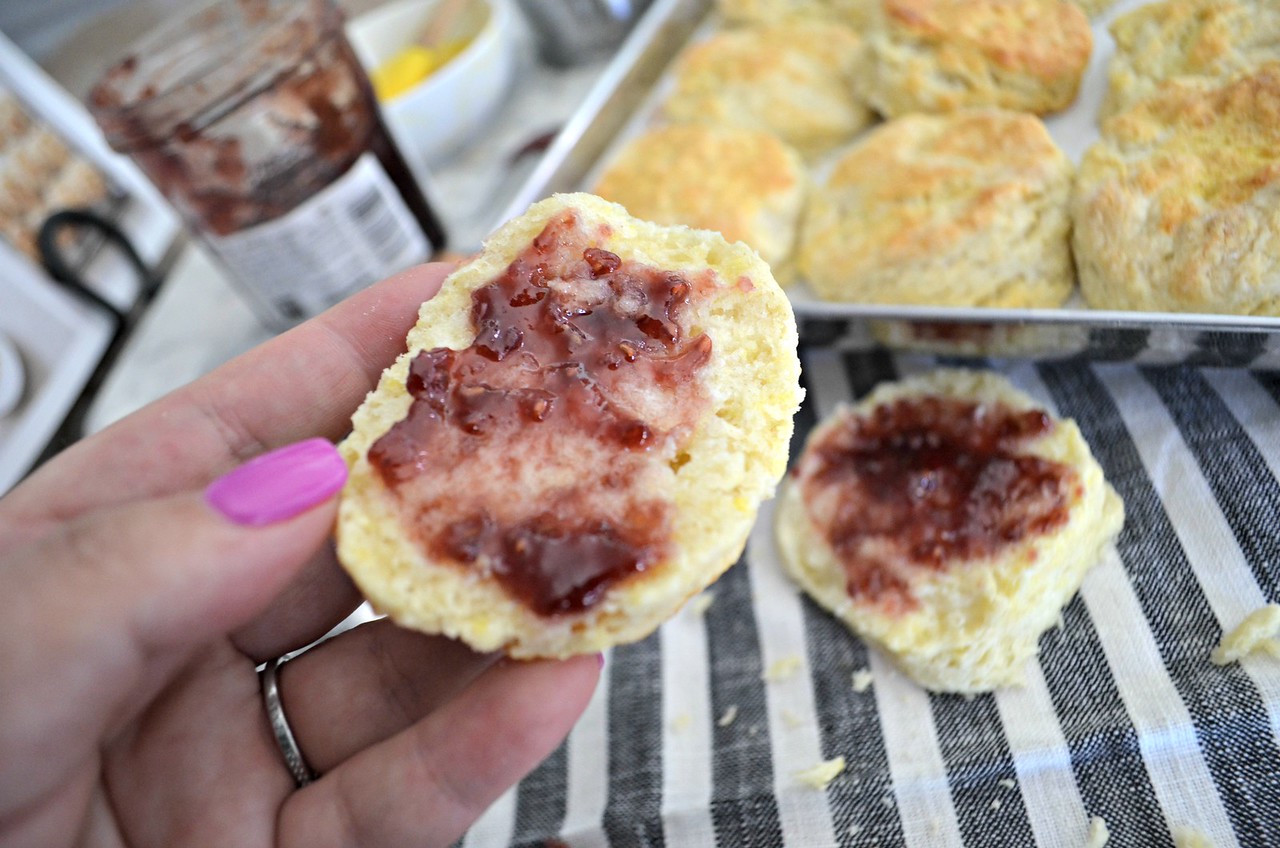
{"x": 302, "y": 773}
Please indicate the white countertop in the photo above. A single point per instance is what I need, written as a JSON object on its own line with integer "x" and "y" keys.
{"x": 198, "y": 320}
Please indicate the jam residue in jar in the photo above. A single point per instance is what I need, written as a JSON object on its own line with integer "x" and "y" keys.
{"x": 929, "y": 482}
{"x": 256, "y": 120}
{"x": 538, "y": 453}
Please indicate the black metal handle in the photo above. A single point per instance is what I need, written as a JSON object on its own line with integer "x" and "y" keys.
{"x": 63, "y": 270}
{"x": 68, "y": 273}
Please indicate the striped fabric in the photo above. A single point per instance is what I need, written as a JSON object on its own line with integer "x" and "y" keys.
{"x": 692, "y": 741}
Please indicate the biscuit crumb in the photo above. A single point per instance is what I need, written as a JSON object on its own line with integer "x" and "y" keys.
{"x": 995, "y": 805}
{"x": 1189, "y": 837}
{"x": 782, "y": 668}
{"x": 887, "y": 800}
{"x": 730, "y": 715}
{"x": 791, "y": 719}
{"x": 699, "y": 605}
{"x": 1098, "y": 833}
{"x": 1007, "y": 784}
{"x": 753, "y": 730}
{"x": 681, "y": 722}
{"x": 1257, "y": 632}
{"x": 823, "y": 773}
{"x": 862, "y": 680}
{"x": 854, "y": 829}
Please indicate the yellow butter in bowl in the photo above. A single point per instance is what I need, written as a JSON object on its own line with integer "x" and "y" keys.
{"x": 410, "y": 67}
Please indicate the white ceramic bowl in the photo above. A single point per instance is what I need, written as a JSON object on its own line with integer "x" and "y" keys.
{"x": 441, "y": 114}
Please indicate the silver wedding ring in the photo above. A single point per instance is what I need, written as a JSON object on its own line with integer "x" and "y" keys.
{"x": 302, "y": 773}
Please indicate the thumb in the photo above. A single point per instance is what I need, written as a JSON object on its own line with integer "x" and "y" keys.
{"x": 98, "y": 615}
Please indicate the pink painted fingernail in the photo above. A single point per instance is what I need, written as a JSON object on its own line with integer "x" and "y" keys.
{"x": 279, "y": 485}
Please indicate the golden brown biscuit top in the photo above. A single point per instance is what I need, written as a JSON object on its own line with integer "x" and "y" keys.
{"x": 1193, "y": 147}
{"x": 856, "y": 13}
{"x": 769, "y": 11}
{"x": 1181, "y": 36}
{"x": 708, "y": 177}
{"x": 943, "y": 176}
{"x": 799, "y": 80}
{"x": 751, "y": 56}
{"x": 1044, "y": 38}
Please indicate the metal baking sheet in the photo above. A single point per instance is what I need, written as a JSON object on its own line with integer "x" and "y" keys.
{"x": 622, "y": 101}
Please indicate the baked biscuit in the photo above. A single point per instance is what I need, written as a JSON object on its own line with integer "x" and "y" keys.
{"x": 797, "y": 80}
{"x": 966, "y": 209}
{"x": 946, "y": 519}
{"x": 1177, "y": 207}
{"x": 578, "y": 437}
{"x": 1094, "y": 8}
{"x": 1188, "y": 40}
{"x": 745, "y": 184}
{"x": 854, "y": 13}
{"x": 944, "y": 55}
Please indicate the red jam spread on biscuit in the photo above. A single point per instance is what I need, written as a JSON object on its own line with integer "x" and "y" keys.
{"x": 928, "y": 482}
{"x": 538, "y": 453}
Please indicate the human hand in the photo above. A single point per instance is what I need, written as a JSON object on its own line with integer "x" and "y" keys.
{"x": 134, "y": 609}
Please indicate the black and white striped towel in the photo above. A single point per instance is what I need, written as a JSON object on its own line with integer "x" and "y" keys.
{"x": 1123, "y": 717}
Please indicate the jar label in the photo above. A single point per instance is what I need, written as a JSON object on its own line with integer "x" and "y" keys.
{"x": 353, "y": 233}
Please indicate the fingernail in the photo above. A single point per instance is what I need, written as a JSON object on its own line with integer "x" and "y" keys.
{"x": 600, "y": 660}
{"x": 279, "y": 485}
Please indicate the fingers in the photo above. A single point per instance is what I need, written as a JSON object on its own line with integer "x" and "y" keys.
{"x": 304, "y": 383}
{"x": 97, "y": 616}
{"x": 201, "y": 767}
{"x": 425, "y": 785}
{"x": 368, "y": 684}
{"x": 317, "y": 600}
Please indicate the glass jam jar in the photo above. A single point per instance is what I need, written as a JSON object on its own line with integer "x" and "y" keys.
{"x": 257, "y": 122}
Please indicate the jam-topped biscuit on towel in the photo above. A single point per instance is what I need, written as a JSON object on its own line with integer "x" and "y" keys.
{"x": 578, "y": 437}
{"x": 947, "y": 519}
